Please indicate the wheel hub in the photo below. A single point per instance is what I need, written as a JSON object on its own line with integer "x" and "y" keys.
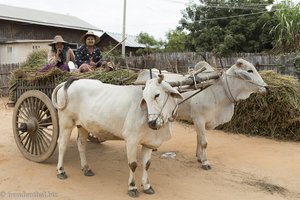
{"x": 29, "y": 126}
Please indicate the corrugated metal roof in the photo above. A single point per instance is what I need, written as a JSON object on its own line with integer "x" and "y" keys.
{"x": 39, "y": 17}
{"x": 131, "y": 41}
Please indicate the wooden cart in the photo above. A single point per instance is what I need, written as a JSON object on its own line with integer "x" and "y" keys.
{"x": 35, "y": 121}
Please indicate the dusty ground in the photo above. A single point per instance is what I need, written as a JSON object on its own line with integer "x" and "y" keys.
{"x": 243, "y": 168}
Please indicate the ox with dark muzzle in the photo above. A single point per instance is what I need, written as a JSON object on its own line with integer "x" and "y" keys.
{"x": 130, "y": 113}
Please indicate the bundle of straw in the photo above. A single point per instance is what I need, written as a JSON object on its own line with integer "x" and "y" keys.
{"x": 274, "y": 115}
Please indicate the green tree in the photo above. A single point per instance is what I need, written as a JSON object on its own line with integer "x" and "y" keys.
{"x": 149, "y": 41}
{"x": 224, "y": 27}
{"x": 176, "y": 40}
{"x": 287, "y": 31}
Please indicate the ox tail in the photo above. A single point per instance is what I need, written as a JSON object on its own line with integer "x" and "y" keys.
{"x": 54, "y": 97}
{"x": 66, "y": 85}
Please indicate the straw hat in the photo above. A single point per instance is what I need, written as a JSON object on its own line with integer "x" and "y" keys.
{"x": 57, "y": 39}
{"x": 89, "y": 33}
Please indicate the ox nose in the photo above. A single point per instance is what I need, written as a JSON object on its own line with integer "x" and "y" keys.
{"x": 263, "y": 88}
{"x": 152, "y": 124}
{"x": 267, "y": 88}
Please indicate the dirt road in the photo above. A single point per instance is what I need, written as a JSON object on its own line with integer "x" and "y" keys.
{"x": 246, "y": 168}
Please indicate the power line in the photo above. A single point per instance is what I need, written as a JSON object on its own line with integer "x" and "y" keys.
{"x": 240, "y": 3}
{"x": 176, "y": 1}
{"x": 235, "y": 16}
{"x": 235, "y": 8}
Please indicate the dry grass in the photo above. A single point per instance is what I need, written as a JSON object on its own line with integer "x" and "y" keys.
{"x": 274, "y": 115}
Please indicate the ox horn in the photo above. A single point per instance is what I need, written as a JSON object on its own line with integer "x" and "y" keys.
{"x": 139, "y": 83}
{"x": 160, "y": 78}
{"x": 239, "y": 62}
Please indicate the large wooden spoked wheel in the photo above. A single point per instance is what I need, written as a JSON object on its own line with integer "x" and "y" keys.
{"x": 35, "y": 125}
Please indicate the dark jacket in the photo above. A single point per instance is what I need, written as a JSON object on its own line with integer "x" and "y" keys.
{"x": 83, "y": 55}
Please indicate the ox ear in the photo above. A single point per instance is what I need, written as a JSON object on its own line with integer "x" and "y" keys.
{"x": 170, "y": 90}
{"x": 143, "y": 104}
{"x": 174, "y": 93}
{"x": 243, "y": 75}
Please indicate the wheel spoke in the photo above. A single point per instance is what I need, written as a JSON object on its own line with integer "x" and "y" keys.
{"x": 46, "y": 120}
{"x": 42, "y": 142}
{"x": 37, "y": 147}
{"x": 45, "y": 143}
{"x": 39, "y": 108}
{"x": 39, "y": 144}
{"x": 44, "y": 113}
{"x": 48, "y": 129}
{"x": 33, "y": 145}
{"x": 21, "y": 133}
{"x": 49, "y": 135}
{"x": 25, "y": 136}
{"x": 22, "y": 111}
{"x": 21, "y": 117}
{"x": 27, "y": 141}
{"x": 33, "y": 105}
{"x": 26, "y": 108}
{"x": 44, "y": 134}
{"x": 29, "y": 144}
{"x": 45, "y": 124}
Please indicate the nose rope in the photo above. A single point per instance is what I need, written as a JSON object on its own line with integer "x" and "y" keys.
{"x": 176, "y": 106}
{"x": 158, "y": 115}
{"x": 174, "y": 113}
{"x": 231, "y": 98}
{"x": 249, "y": 81}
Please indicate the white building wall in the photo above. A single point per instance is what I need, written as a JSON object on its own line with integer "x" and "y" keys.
{"x": 17, "y": 52}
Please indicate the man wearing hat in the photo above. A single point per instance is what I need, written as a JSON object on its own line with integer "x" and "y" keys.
{"x": 59, "y": 55}
{"x": 88, "y": 56}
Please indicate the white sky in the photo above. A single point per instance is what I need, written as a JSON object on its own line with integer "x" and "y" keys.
{"x": 155, "y": 17}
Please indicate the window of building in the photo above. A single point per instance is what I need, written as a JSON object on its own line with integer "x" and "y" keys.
{"x": 9, "y": 49}
{"x": 73, "y": 46}
{"x": 35, "y": 47}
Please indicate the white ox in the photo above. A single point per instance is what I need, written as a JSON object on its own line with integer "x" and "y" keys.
{"x": 215, "y": 105}
{"x": 136, "y": 115}
{"x": 169, "y": 76}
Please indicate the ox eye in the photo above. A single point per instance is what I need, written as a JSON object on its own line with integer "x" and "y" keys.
{"x": 156, "y": 96}
{"x": 250, "y": 71}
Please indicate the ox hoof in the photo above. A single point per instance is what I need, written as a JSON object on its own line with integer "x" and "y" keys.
{"x": 89, "y": 172}
{"x": 133, "y": 193}
{"x": 62, "y": 176}
{"x": 206, "y": 167}
{"x": 149, "y": 191}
